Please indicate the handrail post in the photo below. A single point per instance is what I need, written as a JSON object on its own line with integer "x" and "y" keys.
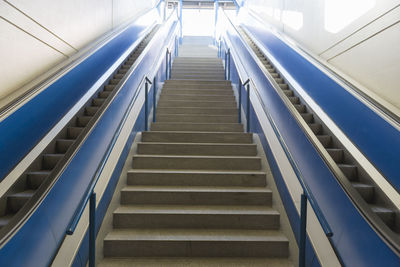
{"x": 166, "y": 65}
{"x": 240, "y": 101}
{"x": 225, "y": 65}
{"x": 92, "y": 230}
{"x": 170, "y": 65}
{"x": 154, "y": 98}
{"x": 303, "y": 229}
{"x": 229, "y": 64}
{"x": 146, "y": 111}
{"x": 248, "y": 108}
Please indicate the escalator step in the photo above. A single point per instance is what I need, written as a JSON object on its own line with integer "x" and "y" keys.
{"x": 90, "y": 111}
{"x": 308, "y": 117}
{"x": 104, "y": 94}
{"x": 36, "y": 178}
{"x": 275, "y": 75}
{"x": 114, "y": 81}
{"x": 294, "y": 99}
{"x": 387, "y": 215}
{"x": 288, "y": 92}
{"x": 284, "y": 86}
{"x": 122, "y": 71}
{"x": 300, "y": 108}
{"x": 49, "y": 161}
{"x": 279, "y": 80}
{"x": 97, "y": 102}
{"x": 17, "y": 200}
{"x": 109, "y": 87}
{"x": 336, "y": 154}
{"x": 326, "y": 140}
{"x": 316, "y": 128}
{"x": 119, "y": 76}
{"x": 73, "y": 132}
{"x": 350, "y": 171}
{"x": 366, "y": 191}
{"x": 62, "y": 145}
{"x": 83, "y": 120}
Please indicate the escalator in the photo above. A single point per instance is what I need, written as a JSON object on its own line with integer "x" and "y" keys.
{"x": 367, "y": 191}
{"x": 41, "y": 173}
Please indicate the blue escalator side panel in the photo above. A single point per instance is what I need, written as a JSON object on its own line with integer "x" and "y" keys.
{"x": 354, "y": 239}
{"x": 23, "y": 129}
{"x": 376, "y": 138}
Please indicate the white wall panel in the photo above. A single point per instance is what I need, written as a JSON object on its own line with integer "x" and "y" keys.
{"x": 36, "y": 35}
{"x": 75, "y": 21}
{"x": 19, "y": 64}
{"x": 336, "y": 31}
{"x": 376, "y": 64}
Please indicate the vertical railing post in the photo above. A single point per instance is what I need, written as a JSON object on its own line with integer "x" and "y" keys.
{"x": 240, "y": 101}
{"x": 248, "y": 108}
{"x": 170, "y": 65}
{"x": 154, "y": 98}
{"x": 303, "y": 229}
{"x": 166, "y": 65}
{"x": 225, "y": 65}
{"x": 229, "y": 64}
{"x": 92, "y": 230}
{"x": 146, "y": 111}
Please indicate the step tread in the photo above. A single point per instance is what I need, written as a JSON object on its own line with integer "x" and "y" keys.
{"x": 196, "y": 171}
{"x": 207, "y": 189}
{"x": 195, "y": 209}
{"x": 195, "y": 262}
{"x": 219, "y": 235}
{"x": 195, "y": 156}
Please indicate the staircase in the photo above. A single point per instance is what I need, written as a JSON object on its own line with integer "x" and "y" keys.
{"x": 196, "y": 194}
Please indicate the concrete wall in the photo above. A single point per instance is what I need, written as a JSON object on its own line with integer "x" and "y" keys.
{"x": 360, "y": 38}
{"x": 37, "y": 35}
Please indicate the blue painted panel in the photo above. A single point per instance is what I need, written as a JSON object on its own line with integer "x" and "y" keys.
{"x": 376, "y": 138}
{"x": 354, "y": 239}
{"x": 23, "y": 129}
{"x": 40, "y": 239}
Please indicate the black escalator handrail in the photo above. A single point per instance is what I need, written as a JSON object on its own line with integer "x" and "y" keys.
{"x": 60, "y": 70}
{"x": 385, "y": 112}
{"x": 96, "y": 177}
{"x": 372, "y": 218}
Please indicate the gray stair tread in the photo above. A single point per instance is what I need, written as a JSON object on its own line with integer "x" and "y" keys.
{"x": 196, "y": 209}
{"x": 194, "y": 156}
{"x": 39, "y": 172}
{"x": 195, "y": 262}
{"x": 196, "y": 171}
{"x": 197, "y": 144}
{"x": 222, "y": 189}
{"x": 195, "y": 235}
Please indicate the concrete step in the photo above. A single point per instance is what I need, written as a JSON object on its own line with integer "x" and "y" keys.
{"x": 197, "y": 127}
{"x": 197, "y": 137}
{"x": 198, "y": 86}
{"x": 201, "y": 72}
{"x": 198, "y": 76}
{"x": 196, "y": 178}
{"x": 197, "y": 118}
{"x": 186, "y": 216}
{"x": 199, "y": 111}
{"x": 171, "y": 91}
{"x": 178, "y": 67}
{"x": 188, "y": 195}
{"x": 197, "y": 82}
{"x": 197, "y": 149}
{"x": 184, "y": 97}
{"x": 197, "y": 104}
{"x": 177, "y": 162}
{"x": 195, "y": 243}
{"x": 195, "y": 262}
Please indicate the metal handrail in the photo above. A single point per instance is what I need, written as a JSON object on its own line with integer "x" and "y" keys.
{"x": 307, "y": 193}
{"x": 90, "y": 195}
